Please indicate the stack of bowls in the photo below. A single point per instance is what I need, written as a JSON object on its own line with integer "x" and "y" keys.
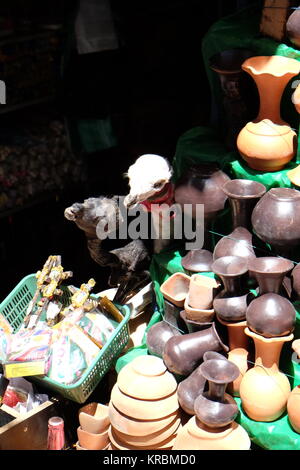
{"x": 144, "y": 409}
{"x": 93, "y": 430}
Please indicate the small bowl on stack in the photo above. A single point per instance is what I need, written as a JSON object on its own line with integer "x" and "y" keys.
{"x": 93, "y": 430}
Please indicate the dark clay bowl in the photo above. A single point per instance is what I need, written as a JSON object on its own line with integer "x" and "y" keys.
{"x": 197, "y": 261}
{"x": 230, "y": 266}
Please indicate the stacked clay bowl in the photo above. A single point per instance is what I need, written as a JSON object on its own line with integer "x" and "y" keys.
{"x": 93, "y": 430}
{"x": 144, "y": 409}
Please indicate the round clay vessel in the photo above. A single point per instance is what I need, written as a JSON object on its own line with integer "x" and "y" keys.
{"x": 136, "y": 427}
{"x": 202, "y": 185}
{"x": 296, "y": 280}
{"x": 202, "y": 291}
{"x": 293, "y": 28}
{"x": 196, "y": 436}
{"x": 271, "y": 315}
{"x": 275, "y": 218}
{"x": 191, "y": 387}
{"x": 143, "y": 409}
{"x": 215, "y": 408}
{"x": 293, "y": 408}
{"x": 146, "y": 378}
{"x": 197, "y": 261}
{"x": 183, "y": 354}
{"x": 264, "y": 390}
{"x": 94, "y": 417}
{"x": 237, "y": 243}
{"x": 118, "y": 444}
{"x": 175, "y": 288}
{"x": 92, "y": 441}
{"x": 269, "y": 271}
{"x": 193, "y": 326}
{"x": 158, "y": 335}
{"x": 198, "y": 314}
{"x": 243, "y": 195}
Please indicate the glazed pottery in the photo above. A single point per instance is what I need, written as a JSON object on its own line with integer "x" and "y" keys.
{"x": 182, "y": 354}
{"x": 237, "y": 243}
{"x": 269, "y": 272}
{"x": 175, "y": 288}
{"x": 243, "y": 195}
{"x": 296, "y": 280}
{"x": 293, "y": 408}
{"x": 191, "y": 387}
{"x": 215, "y": 408}
{"x": 268, "y": 143}
{"x": 146, "y": 378}
{"x": 158, "y": 335}
{"x": 239, "y": 347}
{"x": 119, "y": 445}
{"x": 202, "y": 290}
{"x": 94, "y": 417}
{"x": 271, "y": 315}
{"x": 227, "y": 64}
{"x": 293, "y": 28}
{"x": 197, "y": 261}
{"x": 143, "y": 409}
{"x": 264, "y": 390}
{"x": 231, "y": 304}
{"x": 275, "y": 219}
{"x": 196, "y": 436}
{"x": 91, "y": 441}
{"x": 198, "y": 314}
{"x": 193, "y": 325}
{"x": 137, "y": 427}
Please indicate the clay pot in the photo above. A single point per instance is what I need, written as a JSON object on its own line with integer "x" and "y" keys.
{"x": 202, "y": 291}
{"x": 269, "y": 272}
{"x": 243, "y": 195}
{"x": 296, "y": 101}
{"x": 237, "y": 243}
{"x": 146, "y": 378}
{"x": 119, "y": 445}
{"x": 158, "y": 335}
{"x": 193, "y": 326}
{"x": 268, "y": 143}
{"x": 264, "y": 390}
{"x": 293, "y": 408}
{"x": 175, "y": 288}
{"x": 197, "y": 261}
{"x": 293, "y": 28}
{"x": 216, "y": 408}
{"x": 196, "y": 436}
{"x": 92, "y": 441}
{"x": 183, "y": 354}
{"x": 193, "y": 386}
{"x": 275, "y": 219}
{"x": 271, "y": 315}
{"x": 135, "y": 427}
{"x": 144, "y": 409}
{"x": 231, "y": 304}
{"x": 198, "y": 314}
{"x": 296, "y": 280}
{"x": 228, "y": 65}
{"x": 94, "y": 417}
{"x": 294, "y": 174}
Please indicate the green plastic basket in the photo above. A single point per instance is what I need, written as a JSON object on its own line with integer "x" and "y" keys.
{"x": 14, "y": 308}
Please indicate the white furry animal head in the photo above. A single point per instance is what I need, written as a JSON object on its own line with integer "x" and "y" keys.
{"x": 147, "y": 176}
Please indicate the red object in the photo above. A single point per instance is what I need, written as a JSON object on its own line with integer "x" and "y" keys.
{"x": 12, "y": 397}
{"x": 167, "y": 197}
{"x": 56, "y": 434}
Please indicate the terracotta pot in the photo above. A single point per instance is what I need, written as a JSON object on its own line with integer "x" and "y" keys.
{"x": 237, "y": 243}
{"x": 144, "y": 409}
{"x": 243, "y": 195}
{"x": 202, "y": 291}
{"x": 269, "y": 272}
{"x": 197, "y": 261}
{"x": 146, "y": 378}
{"x": 136, "y": 427}
{"x": 183, "y": 354}
{"x": 293, "y": 29}
{"x": 271, "y": 315}
{"x": 198, "y": 314}
{"x": 228, "y": 65}
{"x": 193, "y": 386}
{"x": 231, "y": 304}
{"x": 264, "y": 390}
{"x": 175, "y": 288}
{"x": 119, "y": 445}
{"x": 293, "y": 408}
{"x": 94, "y": 417}
{"x": 215, "y": 408}
{"x": 196, "y": 436}
{"x": 268, "y": 143}
{"x": 193, "y": 326}
{"x": 92, "y": 441}
{"x": 239, "y": 347}
{"x": 275, "y": 219}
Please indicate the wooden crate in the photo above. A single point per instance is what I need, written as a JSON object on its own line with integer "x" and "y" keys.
{"x": 274, "y": 16}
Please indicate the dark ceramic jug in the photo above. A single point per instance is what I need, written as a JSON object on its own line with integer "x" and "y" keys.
{"x": 269, "y": 272}
{"x": 215, "y": 408}
{"x": 197, "y": 261}
{"x": 296, "y": 281}
{"x": 182, "y": 354}
{"x": 193, "y": 386}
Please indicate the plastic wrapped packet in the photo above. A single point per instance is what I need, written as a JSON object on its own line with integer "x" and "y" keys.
{"x": 97, "y": 326}
{"x": 30, "y": 345}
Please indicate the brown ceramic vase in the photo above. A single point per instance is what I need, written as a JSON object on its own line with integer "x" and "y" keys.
{"x": 269, "y": 272}
{"x": 197, "y": 261}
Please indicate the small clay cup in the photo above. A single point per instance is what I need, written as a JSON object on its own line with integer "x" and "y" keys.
{"x": 192, "y": 325}
{"x": 94, "y": 417}
{"x": 198, "y": 314}
{"x": 202, "y": 291}
{"x": 175, "y": 288}
{"x": 92, "y": 441}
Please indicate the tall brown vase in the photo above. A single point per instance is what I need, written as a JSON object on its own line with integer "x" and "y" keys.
{"x": 264, "y": 390}
{"x": 268, "y": 143}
